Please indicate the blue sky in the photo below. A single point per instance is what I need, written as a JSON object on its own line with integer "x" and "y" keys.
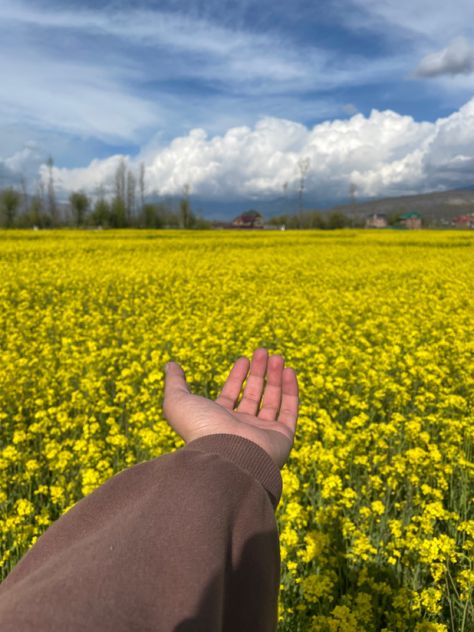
{"x": 229, "y": 96}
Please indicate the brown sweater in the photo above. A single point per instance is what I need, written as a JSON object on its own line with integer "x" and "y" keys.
{"x": 187, "y": 542}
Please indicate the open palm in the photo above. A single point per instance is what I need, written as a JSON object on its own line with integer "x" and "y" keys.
{"x": 266, "y": 414}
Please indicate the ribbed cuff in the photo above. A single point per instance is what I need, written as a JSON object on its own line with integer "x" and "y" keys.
{"x": 248, "y": 456}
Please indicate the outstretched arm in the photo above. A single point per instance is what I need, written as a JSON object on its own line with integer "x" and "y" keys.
{"x": 185, "y": 542}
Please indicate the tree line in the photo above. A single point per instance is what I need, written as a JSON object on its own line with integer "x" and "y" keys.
{"x": 126, "y": 208}
{"x": 307, "y": 219}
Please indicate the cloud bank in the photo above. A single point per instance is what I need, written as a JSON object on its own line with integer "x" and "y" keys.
{"x": 384, "y": 153}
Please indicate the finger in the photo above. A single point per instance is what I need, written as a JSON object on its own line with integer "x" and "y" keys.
{"x": 175, "y": 382}
{"x": 255, "y": 382}
{"x": 289, "y": 400}
{"x": 272, "y": 394}
{"x": 233, "y": 384}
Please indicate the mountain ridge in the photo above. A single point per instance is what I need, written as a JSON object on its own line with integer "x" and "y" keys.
{"x": 433, "y": 206}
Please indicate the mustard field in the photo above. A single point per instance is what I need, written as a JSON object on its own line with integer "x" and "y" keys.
{"x": 376, "y": 521}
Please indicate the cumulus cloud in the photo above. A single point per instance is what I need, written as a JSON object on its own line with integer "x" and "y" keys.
{"x": 29, "y": 157}
{"x": 455, "y": 59}
{"x": 382, "y": 154}
{"x": 22, "y": 164}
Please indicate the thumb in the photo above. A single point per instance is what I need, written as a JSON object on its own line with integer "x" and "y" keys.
{"x": 175, "y": 383}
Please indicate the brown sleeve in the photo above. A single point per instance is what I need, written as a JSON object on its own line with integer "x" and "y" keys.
{"x": 186, "y": 542}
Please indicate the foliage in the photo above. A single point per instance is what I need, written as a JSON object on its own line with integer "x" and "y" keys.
{"x": 79, "y": 203}
{"x": 120, "y": 212}
{"x": 101, "y": 214}
{"x": 10, "y": 200}
{"x": 315, "y": 219}
{"x": 376, "y": 522}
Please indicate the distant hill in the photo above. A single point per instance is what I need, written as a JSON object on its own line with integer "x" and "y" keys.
{"x": 434, "y": 207}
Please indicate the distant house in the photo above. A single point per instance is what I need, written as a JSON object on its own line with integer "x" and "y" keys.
{"x": 411, "y": 220}
{"x": 376, "y": 220}
{"x": 249, "y": 219}
{"x": 464, "y": 221}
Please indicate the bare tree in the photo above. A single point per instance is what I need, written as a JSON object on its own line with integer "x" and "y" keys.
{"x": 353, "y": 195}
{"x": 303, "y": 166}
{"x": 131, "y": 194}
{"x": 24, "y": 193}
{"x": 186, "y": 216}
{"x": 37, "y": 215}
{"x": 40, "y": 194}
{"x": 141, "y": 184}
{"x": 118, "y": 216}
{"x": 121, "y": 180}
{"x": 52, "y": 204}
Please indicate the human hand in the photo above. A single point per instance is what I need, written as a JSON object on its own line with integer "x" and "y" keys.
{"x": 266, "y": 415}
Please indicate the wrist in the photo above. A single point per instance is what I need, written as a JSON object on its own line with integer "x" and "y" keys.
{"x": 247, "y": 455}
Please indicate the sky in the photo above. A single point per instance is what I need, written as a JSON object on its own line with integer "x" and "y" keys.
{"x": 236, "y": 100}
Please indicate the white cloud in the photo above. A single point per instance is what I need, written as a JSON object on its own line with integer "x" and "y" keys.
{"x": 22, "y": 164}
{"x": 24, "y": 159}
{"x": 383, "y": 154}
{"x": 455, "y": 59}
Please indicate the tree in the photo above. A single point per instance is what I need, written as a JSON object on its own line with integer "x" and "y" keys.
{"x": 393, "y": 219}
{"x": 337, "y": 220}
{"x": 170, "y": 218}
{"x": 141, "y": 184}
{"x": 303, "y": 166}
{"x": 36, "y": 215}
{"x": 118, "y": 213}
{"x": 149, "y": 217}
{"x": 131, "y": 195}
{"x": 278, "y": 220}
{"x": 10, "y": 200}
{"x": 200, "y": 223}
{"x": 317, "y": 220}
{"x": 79, "y": 203}
{"x": 186, "y": 215}
{"x": 52, "y": 205}
{"x": 101, "y": 213}
{"x": 353, "y": 196}
{"x": 121, "y": 180}
{"x": 24, "y": 193}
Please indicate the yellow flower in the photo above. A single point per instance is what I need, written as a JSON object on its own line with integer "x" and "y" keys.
{"x": 377, "y": 491}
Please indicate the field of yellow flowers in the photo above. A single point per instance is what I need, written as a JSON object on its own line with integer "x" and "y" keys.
{"x": 376, "y": 521}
